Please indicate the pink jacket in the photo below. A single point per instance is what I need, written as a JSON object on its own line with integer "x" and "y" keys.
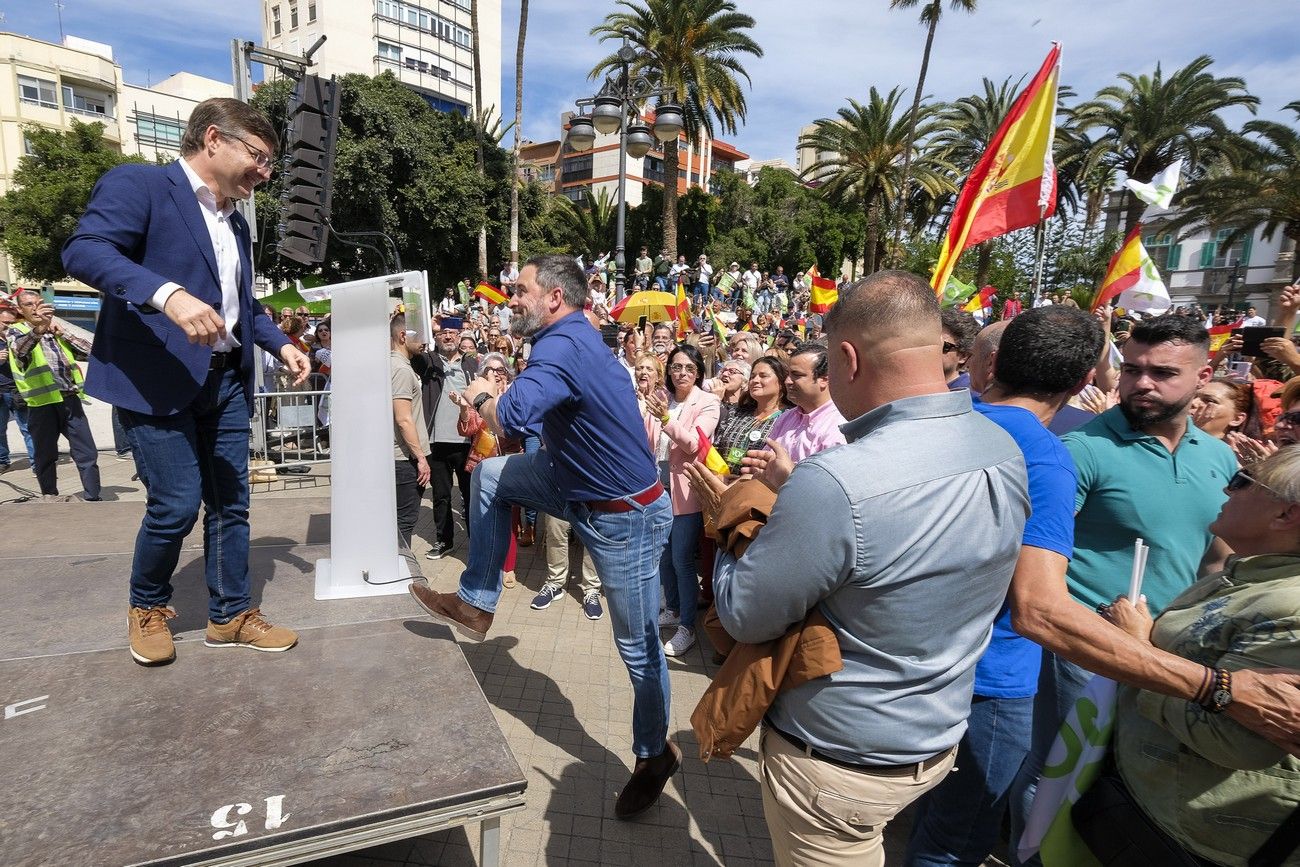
{"x": 701, "y": 409}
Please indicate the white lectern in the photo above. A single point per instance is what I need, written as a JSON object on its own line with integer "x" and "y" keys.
{"x": 363, "y": 506}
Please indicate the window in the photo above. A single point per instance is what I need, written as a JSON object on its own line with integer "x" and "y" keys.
{"x": 158, "y": 130}
{"x": 1163, "y": 251}
{"x": 388, "y": 51}
{"x": 574, "y": 194}
{"x": 92, "y": 104}
{"x": 311, "y": 11}
{"x": 577, "y": 168}
{"x": 275, "y": 20}
{"x": 654, "y": 169}
{"x": 1215, "y": 253}
{"x": 412, "y": 15}
{"x": 37, "y": 91}
{"x": 293, "y": 16}
{"x": 546, "y": 172}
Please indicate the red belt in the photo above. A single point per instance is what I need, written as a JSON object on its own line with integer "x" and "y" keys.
{"x": 645, "y": 498}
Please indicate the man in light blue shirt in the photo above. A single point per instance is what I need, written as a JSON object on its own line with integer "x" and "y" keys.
{"x": 906, "y": 545}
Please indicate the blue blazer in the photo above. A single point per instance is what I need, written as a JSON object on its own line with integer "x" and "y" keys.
{"x": 143, "y": 228}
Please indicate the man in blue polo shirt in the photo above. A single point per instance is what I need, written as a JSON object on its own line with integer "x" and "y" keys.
{"x": 1145, "y": 471}
{"x": 596, "y": 472}
{"x": 1045, "y": 357}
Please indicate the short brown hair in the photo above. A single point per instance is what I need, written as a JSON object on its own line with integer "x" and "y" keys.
{"x": 228, "y": 115}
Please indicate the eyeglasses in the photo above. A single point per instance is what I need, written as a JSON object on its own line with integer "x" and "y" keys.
{"x": 261, "y": 158}
{"x": 496, "y": 369}
{"x": 1240, "y": 481}
{"x": 949, "y": 347}
{"x": 681, "y": 368}
{"x": 1290, "y": 419}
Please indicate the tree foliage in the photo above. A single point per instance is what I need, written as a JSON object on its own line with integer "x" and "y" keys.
{"x": 51, "y": 188}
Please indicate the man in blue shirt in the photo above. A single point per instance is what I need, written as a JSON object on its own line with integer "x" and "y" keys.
{"x": 1044, "y": 358}
{"x": 596, "y": 472}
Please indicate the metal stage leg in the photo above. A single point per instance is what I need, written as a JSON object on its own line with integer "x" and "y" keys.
{"x": 490, "y": 842}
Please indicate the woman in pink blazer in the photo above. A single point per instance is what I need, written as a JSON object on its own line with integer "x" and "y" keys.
{"x": 673, "y": 426}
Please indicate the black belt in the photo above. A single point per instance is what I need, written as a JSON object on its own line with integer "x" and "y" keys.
{"x": 222, "y": 360}
{"x": 880, "y": 770}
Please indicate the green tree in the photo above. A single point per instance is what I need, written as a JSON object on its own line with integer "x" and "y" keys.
{"x": 586, "y": 229}
{"x": 51, "y": 188}
{"x": 1265, "y": 191}
{"x": 863, "y": 163}
{"x": 1149, "y": 121}
{"x": 931, "y": 12}
{"x": 696, "y": 48}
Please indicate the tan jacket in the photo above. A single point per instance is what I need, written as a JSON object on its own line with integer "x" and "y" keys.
{"x": 744, "y": 688}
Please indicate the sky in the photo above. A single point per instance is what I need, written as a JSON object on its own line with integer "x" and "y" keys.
{"x": 816, "y": 53}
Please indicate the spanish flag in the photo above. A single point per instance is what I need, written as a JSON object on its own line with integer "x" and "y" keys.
{"x": 490, "y": 293}
{"x": 1124, "y": 270}
{"x": 1014, "y": 183}
{"x": 980, "y": 301}
{"x": 824, "y": 294}
{"x": 683, "y": 312}
{"x": 708, "y": 454}
{"x": 1221, "y": 334}
{"x": 718, "y": 328}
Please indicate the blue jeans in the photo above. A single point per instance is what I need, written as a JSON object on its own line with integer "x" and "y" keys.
{"x": 1060, "y": 683}
{"x": 11, "y": 406}
{"x": 625, "y": 549}
{"x": 531, "y": 444}
{"x": 197, "y": 456}
{"x": 677, "y": 566}
{"x": 120, "y": 445}
{"x": 959, "y": 821}
{"x": 662, "y": 283}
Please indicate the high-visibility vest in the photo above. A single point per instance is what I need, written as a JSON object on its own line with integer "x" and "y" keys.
{"x": 36, "y": 383}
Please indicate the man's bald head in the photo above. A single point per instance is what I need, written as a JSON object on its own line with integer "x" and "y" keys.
{"x": 890, "y": 309}
{"x": 980, "y": 365}
{"x": 885, "y": 342}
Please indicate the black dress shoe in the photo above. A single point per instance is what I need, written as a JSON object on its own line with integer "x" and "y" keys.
{"x": 649, "y": 776}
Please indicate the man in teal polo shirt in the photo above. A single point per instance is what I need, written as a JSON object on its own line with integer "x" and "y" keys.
{"x": 1145, "y": 471}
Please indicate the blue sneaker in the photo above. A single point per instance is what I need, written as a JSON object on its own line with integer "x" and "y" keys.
{"x": 548, "y": 594}
{"x": 591, "y": 606}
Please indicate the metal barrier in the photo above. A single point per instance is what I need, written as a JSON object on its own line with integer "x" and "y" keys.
{"x": 288, "y": 429}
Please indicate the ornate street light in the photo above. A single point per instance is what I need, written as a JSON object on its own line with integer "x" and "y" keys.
{"x": 617, "y": 108}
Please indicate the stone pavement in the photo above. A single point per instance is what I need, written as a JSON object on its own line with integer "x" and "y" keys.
{"x": 562, "y": 698}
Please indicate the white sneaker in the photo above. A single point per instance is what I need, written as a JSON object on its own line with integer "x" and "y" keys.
{"x": 683, "y": 640}
{"x": 668, "y": 617}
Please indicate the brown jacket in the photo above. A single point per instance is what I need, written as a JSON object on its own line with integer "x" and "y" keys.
{"x": 745, "y": 686}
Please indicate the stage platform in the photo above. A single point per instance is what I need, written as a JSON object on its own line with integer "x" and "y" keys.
{"x": 372, "y": 729}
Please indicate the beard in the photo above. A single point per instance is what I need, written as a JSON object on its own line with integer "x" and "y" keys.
{"x": 1157, "y": 413}
{"x": 525, "y": 323}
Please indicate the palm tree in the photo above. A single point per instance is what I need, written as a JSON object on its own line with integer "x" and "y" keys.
{"x": 1264, "y": 191}
{"x": 1149, "y": 121}
{"x": 860, "y": 163}
{"x": 694, "y": 47}
{"x": 591, "y": 224}
{"x": 481, "y": 120}
{"x": 519, "y": 123}
{"x": 931, "y": 12}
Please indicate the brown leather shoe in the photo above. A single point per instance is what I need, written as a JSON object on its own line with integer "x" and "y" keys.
{"x": 649, "y": 777}
{"x": 448, "y": 608}
{"x": 249, "y": 629}
{"x": 151, "y": 639}
{"x": 526, "y": 536}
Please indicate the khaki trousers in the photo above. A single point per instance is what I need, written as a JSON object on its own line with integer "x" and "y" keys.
{"x": 821, "y": 814}
{"x": 557, "y": 558}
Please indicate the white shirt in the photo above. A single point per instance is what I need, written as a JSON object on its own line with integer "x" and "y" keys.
{"x": 224, "y": 245}
{"x": 751, "y": 279}
{"x": 1253, "y": 322}
{"x": 706, "y": 273}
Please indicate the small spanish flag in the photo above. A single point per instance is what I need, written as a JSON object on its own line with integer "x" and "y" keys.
{"x": 490, "y": 293}
{"x": 1124, "y": 270}
{"x": 718, "y": 328}
{"x": 683, "y": 311}
{"x": 824, "y": 294}
{"x": 708, "y": 454}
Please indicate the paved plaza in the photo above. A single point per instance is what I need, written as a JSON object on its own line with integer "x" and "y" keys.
{"x": 562, "y": 698}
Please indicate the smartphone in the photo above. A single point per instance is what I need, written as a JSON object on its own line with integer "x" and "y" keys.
{"x": 1239, "y": 368}
{"x": 641, "y": 323}
{"x": 609, "y": 334}
{"x": 1253, "y": 336}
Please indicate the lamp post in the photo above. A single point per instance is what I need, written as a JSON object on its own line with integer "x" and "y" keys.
{"x": 616, "y": 108}
{"x": 1233, "y": 277}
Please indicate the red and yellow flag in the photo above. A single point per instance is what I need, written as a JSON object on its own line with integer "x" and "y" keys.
{"x": 707, "y": 454}
{"x": 490, "y": 293}
{"x": 1221, "y": 334}
{"x": 1014, "y": 183}
{"x": 683, "y": 312}
{"x": 824, "y": 294}
{"x": 981, "y": 300}
{"x": 1124, "y": 270}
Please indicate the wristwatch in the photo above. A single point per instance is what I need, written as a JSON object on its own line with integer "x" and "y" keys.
{"x": 480, "y": 400}
{"x": 1221, "y": 694}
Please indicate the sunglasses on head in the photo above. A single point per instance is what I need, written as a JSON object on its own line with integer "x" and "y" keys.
{"x": 1240, "y": 481}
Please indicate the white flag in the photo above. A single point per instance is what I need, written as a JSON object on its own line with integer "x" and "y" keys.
{"x": 1149, "y": 294}
{"x": 1161, "y": 189}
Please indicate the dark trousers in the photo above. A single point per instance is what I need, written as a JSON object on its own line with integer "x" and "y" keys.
{"x": 68, "y": 419}
{"x": 409, "y": 494}
{"x": 447, "y": 459}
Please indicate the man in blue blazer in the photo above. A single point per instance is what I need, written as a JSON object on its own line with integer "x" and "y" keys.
{"x": 173, "y": 352}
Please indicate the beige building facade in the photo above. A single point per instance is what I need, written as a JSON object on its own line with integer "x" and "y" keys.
{"x": 427, "y": 45}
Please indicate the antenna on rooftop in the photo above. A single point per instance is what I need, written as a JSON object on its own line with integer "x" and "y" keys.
{"x": 58, "y": 8}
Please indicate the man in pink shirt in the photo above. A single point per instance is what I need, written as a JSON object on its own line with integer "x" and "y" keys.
{"x": 813, "y": 425}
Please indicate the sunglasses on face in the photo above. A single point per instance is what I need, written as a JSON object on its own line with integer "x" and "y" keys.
{"x": 1290, "y": 419}
{"x": 949, "y": 347}
{"x": 681, "y": 368}
{"x": 495, "y": 369}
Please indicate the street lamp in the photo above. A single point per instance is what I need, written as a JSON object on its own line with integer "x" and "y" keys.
{"x": 1233, "y": 277}
{"x": 617, "y": 108}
